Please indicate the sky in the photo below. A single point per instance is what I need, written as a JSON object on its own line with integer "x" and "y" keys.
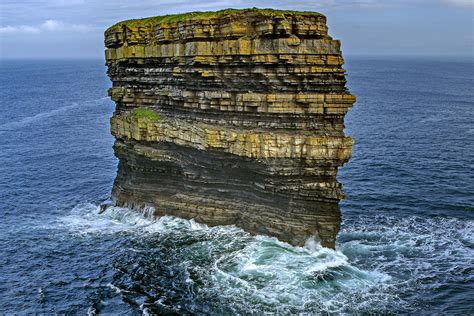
{"x": 63, "y": 29}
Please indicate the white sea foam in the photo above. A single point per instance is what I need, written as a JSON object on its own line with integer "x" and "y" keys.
{"x": 114, "y": 288}
{"x": 43, "y": 115}
{"x": 376, "y": 258}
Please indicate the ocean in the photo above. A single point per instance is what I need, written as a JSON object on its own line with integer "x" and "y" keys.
{"x": 406, "y": 243}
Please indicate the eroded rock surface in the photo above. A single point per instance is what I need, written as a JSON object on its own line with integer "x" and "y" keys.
{"x": 231, "y": 117}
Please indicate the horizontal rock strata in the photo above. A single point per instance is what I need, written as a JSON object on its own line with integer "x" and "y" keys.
{"x": 231, "y": 117}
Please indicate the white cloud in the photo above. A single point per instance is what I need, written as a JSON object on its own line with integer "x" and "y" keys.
{"x": 46, "y": 26}
{"x": 52, "y": 25}
{"x": 19, "y": 29}
{"x": 460, "y": 3}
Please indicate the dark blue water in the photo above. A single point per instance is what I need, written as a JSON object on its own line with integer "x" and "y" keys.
{"x": 407, "y": 240}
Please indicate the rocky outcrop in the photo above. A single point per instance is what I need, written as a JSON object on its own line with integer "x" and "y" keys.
{"x": 231, "y": 117}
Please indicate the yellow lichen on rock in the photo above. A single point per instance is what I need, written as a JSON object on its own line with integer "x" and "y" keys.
{"x": 231, "y": 117}
{"x": 239, "y": 142}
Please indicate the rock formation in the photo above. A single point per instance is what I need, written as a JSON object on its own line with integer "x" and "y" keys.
{"x": 231, "y": 117}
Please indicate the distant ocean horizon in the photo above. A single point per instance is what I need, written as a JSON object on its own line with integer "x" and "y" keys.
{"x": 447, "y": 58}
{"x": 407, "y": 238}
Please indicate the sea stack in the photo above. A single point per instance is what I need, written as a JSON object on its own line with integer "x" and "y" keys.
{"x": 232, "y": 117}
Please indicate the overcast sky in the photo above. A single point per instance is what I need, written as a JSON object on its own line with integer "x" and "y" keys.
{"x": 74, "y": 28}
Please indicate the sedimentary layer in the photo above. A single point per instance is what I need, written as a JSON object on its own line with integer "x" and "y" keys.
{"x": 231, "y": 117}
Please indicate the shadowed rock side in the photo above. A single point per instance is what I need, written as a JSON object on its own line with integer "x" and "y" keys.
{"x": 231, "y": 117}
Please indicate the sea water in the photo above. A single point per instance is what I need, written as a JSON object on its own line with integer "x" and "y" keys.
{"x": 406, "y": 243}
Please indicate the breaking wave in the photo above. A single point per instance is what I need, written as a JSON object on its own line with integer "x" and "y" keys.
{"x": 176, "y": 265}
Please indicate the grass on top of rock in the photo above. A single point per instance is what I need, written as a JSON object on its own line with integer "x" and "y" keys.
{"x": 144, "y": 113}
{"x": 206, "y": 15}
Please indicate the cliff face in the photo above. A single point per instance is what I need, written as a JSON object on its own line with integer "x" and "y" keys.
{"x": 231, "y": 117}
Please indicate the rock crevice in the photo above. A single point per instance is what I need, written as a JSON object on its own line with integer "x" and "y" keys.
{"x": 243, "y": 124}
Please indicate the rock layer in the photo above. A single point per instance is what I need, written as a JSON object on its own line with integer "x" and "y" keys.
{"x": 231, "y": 117}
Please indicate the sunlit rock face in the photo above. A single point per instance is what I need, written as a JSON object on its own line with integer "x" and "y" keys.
{"x": 231, "y": 117}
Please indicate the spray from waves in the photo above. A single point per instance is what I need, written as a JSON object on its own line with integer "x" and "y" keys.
{"x": 85, "y": 219}
{"x": 422, "y": 254}
{"x": 11, "y": 126}
{"x": 88, "y": 218}
{"x": 175, "y": 265}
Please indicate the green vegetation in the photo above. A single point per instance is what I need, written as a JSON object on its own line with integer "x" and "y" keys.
{"x": 198, "y": 15}
{"x": 144, "y": 113}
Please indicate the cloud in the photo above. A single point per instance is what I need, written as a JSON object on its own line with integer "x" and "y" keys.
{"x": 460, "y": 3}
{"x": 46, "y": 26}
{"x": 19, "y": 29}
{"x": 52, "y": 25}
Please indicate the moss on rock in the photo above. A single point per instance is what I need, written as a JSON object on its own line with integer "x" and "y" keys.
{"x": 144, "y": 113}
{"x": 207, "y": 15}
